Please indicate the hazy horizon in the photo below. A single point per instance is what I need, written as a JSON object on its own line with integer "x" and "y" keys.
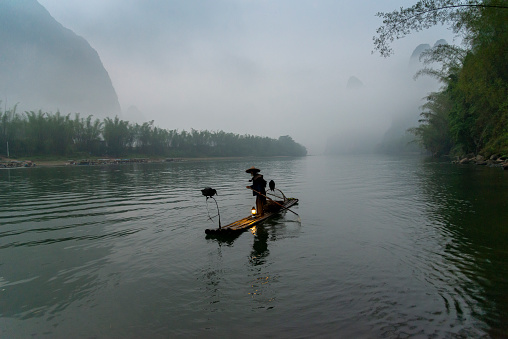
{"x": 252, "y": 67}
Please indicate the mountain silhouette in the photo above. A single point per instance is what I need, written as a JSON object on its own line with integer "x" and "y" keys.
{"x": 414, "y": 60}
{"x": 44, "y": 65}
{"x": 354, "y": 83}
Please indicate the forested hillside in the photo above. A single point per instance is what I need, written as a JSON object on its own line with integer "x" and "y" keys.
{"x": 39, "y": 133}
{"x": 469, "y": 114}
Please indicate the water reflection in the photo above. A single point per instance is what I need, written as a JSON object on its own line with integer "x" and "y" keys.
{"x": 261, "y": 281}
{"x": 469, "y": 205}
{"x": 227, "y": 239}
{"x": 260, "y": 246}
{"x": 272, "y": 229}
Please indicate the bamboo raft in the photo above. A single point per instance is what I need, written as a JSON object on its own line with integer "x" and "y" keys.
{"x": 248, "y": 222}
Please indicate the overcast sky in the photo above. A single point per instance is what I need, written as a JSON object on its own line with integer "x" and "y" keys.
{"x": 261, "y": 67}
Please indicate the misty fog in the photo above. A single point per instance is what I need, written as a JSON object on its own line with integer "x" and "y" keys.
{"x": 253, "y": 67}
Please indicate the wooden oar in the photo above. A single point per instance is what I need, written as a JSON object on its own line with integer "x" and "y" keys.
{"x": 286, "y": 208}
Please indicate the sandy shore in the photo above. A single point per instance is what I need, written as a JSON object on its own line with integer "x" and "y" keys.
{"x": 52, "y": 163}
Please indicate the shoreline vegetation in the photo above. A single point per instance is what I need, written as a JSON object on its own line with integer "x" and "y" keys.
{"x": 42, "y": 135}
{"x": 469, "y": 113}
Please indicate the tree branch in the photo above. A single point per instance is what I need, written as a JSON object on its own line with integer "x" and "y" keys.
{"x": 422, "y": 15}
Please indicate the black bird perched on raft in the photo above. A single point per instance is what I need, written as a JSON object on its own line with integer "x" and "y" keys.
{"x": 209, "y": 192}
{"x": 271, "y": 184}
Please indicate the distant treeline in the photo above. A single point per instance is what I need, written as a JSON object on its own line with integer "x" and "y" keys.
{"x": 52, "y": 134}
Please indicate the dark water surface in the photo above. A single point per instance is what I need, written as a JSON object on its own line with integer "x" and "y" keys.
{"x": 385, "y": 247}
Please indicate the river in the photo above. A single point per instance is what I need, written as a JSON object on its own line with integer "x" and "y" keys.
{"x": 381, "y": 247}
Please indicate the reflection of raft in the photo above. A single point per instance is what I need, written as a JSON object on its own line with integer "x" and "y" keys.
{"x": 271, "y": 210}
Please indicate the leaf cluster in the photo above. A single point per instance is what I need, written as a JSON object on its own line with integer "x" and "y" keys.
{"x": 423, "y": 15}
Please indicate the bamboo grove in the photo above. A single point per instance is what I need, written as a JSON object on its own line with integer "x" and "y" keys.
{"x": 469, "y": 114}
{"x": 47, "y": 134}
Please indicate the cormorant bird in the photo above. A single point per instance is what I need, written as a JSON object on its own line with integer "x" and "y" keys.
{"x": 209, "y": 192}
{"x": 271, "y": 184}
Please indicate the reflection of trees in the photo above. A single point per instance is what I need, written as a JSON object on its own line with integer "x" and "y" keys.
{"x": 470, "y": 206}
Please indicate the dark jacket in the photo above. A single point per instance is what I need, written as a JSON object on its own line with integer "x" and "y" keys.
{"x": 258, "y": 184}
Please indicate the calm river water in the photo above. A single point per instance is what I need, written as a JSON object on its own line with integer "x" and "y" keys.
{"x": 384, "y": 247}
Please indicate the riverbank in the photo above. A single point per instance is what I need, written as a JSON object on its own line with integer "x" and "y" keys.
{"x": 18, "y": 163}
{"x": 493, "y": 161}
{"x": 15, "y": 163}
{"x": 9, "y": 163}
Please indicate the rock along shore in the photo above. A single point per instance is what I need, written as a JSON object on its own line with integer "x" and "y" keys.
{"x": 493, "y": 161}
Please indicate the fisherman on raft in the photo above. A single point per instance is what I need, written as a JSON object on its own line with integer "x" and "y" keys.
{"x": 258, "y": 189}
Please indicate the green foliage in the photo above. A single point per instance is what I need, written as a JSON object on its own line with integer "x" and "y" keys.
{"x": 433, "y": 132}
{"x": 117, "y": 136}
{"x": 482, "y": 85}
{"x": 39, "y": 133}
{"x": 87, "y": 134}
{"x": 469, "y": 114}
{"x": 427, "y": 13}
